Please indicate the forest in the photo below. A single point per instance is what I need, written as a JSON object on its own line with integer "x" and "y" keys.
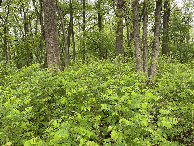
{"x": 96, "y": 72}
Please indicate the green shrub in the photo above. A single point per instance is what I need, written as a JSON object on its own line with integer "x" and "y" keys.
{"x": 98, "y": 103}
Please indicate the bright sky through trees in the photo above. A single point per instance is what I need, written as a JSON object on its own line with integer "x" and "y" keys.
{"x": 179, "y": 2}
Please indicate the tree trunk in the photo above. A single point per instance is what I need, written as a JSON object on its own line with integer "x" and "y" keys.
{"x": 5, "y": 51}
{"x": 69, "y": 35}
{"x": 51, "y": 34}
{"x": 31, "y": 34}
{"x": 72, "y": 32}
{"x": 5, "y": 41}
{"x": 64, "y": 37}
{"x": 129, "y": 37}
{"x": 84, "y": 27}
{"x": 119, "y": 32}
{"x": 156, "y": 42}
{"x": 29, "y": 55}
{"x": 165, "y": 27}
{"x": 137, "y": 41}
{"x": 101, "y": 56}
{"x": 144, "y": 38}
{"x": 8, "y": 46}
{"x": 99, "y": 16}
{"x": 40, "y": 52}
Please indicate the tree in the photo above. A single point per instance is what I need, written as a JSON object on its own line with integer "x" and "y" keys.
{"x": 6, "y": 33}
{"x": 156, "y": 41}
{"x": 144, "y": 38}
{"x": 51, "y": 34}
{"x": 40, "y": 52}
{"x": 119, "y": 32}
{"x": 100, "y": 28}
{"x": 29, "y": 55}
{"x": 39, "y": 19}
{"x": 97, "y": 30}
{"x": 71, "y": 27}
{"x": 166, "y": 17}
{"x": 137, "y": 40}
{"x": 64, "y": 36}
{"x": 129, "y": 25}
{"x": 84, "y": 27}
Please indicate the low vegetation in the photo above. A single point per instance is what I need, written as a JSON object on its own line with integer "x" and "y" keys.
{"x": 99, "y": 103}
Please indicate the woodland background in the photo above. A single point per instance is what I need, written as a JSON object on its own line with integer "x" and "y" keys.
{"x": 104, "y": 72}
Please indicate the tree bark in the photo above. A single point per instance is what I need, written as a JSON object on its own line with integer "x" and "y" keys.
{"x": 99, "y": 16}
{"x": 156, "y": 42}
{"x": 5, "y": 41}
{"x": 144, "y": 38}
{"x": 5, "y": 51}
{"x": 101, "y": 56}
{"x": 9, "y": 51}
{"x": 72, "y": 32}
{"x": 129, "y": 37}
{"x": 165, "y": 27}
{"x": 84, "y": 27}
{"x": 51, "y": 34}
{"x": 31, "y": 34}
{"x": 64, "y": 36}
{"x": 119, "y": 32}
{"x": 137, "y": 40}
{"x": 69, "y": 34}
{"x": 29, "y": 55}
{"x": 40, "y": 52}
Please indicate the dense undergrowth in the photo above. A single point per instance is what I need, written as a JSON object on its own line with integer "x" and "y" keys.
{"x": 100, "y": 103}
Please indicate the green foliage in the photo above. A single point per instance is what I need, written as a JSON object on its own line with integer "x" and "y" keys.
{"x": 98, "y": 44}
{"x": 181, "y": 45}
{"x": 97, "y": 103}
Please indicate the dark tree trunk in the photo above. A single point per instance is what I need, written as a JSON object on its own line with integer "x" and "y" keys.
{"x": 40, "y": 52}
{"x": 119, "y": 32}
{"x": 144, "y": 38}
{"x": 5, "y": 42}
{"x": 99, "y": 18}
{"x": 72, "y": 32}
{"x": 129, "y": 38}
{"x": 64, "y": 36}
{"x": 31, "y": 34}
{"x": 69, "y": 32}
{"x": 165, "y": 27}
{"x": 36, "y": 31}
{"x": 9, "y": 51}
{"x": 51, "y": 34}
{"x": 69, "y": 35}
{"x": 5, "y": 51}
{"x": 156, "y": 42}
{"x": 101, "y": 56}
{"x": 84, "y": 27}
{"x": 29, "y": 54}
{"x": 137, "y": 40}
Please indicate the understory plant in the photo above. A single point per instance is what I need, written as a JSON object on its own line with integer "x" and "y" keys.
{"x": 101, "y": 103}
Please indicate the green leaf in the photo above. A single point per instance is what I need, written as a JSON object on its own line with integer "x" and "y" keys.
{"x": 27, "y": 143}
